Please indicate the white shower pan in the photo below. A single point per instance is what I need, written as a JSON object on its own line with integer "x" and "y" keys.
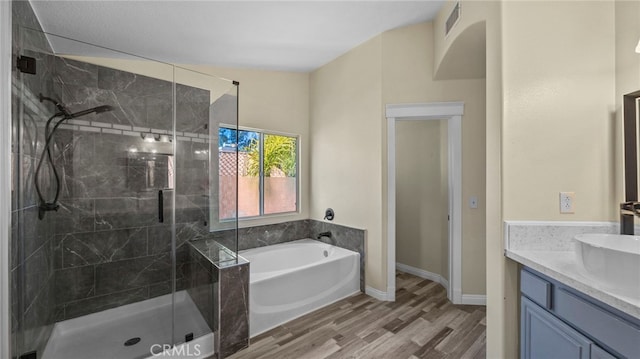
{"x": 102, "y": 335}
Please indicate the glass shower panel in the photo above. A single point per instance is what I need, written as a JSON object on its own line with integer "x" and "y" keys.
{"x": 202, "y": 102}
{"x": 96, "y": 194}
{"x": 224, "y": 159}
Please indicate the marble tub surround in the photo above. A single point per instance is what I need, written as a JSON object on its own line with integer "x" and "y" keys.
{"x": 548, "y": 248}
{"x": 344, "y": 237}
{"x": 230, "y": 273}
{"x": 265, "y": 235}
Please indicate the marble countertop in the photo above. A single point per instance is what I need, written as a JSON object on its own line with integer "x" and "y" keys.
{"x": 558, "y": 261}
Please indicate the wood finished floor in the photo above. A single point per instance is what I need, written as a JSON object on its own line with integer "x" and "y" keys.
{"x": 421, "y": 323}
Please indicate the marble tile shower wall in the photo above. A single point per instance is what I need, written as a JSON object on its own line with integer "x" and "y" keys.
{"x": 32, "y": 284}
{"x": 109, "y": 248}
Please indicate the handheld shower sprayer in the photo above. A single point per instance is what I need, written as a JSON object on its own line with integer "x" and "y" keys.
{"x": 63, "y": 112}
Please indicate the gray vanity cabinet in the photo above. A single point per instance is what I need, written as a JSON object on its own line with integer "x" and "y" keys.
{"x": 545, "y": 336}
{"x": 557, "y": 321}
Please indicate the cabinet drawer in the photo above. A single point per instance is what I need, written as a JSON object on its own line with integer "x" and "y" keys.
{"x": 535, "y": 288}
{"x": 598, "y": 324}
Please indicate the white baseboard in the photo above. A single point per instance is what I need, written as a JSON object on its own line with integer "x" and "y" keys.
{"x": 465, "y": 299}
{"x": 423, "y": 274}
{"x": 474, "y": 299}
{"x": 378, "y": 294}
{"x": 455, "y": 296}
{"x": 391, "y": 292}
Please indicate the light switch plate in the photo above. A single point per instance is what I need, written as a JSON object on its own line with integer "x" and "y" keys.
{"x": 473, "y": 202}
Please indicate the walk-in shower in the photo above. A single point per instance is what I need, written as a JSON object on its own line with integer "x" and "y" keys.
{"x": 100, "y": 267}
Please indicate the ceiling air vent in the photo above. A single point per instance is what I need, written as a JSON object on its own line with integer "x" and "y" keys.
{"x": 453, "y": 19}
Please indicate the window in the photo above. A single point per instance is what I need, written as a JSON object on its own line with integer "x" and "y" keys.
{"x": 267, "y": 166}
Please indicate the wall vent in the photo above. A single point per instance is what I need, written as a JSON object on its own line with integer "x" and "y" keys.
{"x": 452, "y": 19}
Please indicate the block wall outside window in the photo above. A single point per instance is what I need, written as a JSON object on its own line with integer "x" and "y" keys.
{"x": 267, "y": 173}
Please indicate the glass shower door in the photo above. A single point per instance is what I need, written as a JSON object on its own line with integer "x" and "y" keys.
{"x": 119, "y": 183}
{"x": 202, "y": 103}
{"x": 96, "y": 272}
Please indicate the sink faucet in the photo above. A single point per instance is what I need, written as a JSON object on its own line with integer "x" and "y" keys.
{"x": 628, "y": 210}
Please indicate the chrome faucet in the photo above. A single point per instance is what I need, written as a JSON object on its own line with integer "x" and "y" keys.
{"x": 628, "y": 210}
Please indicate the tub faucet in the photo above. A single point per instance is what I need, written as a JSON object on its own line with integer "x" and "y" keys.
{"x": 628, "y": 210}
{"x": 327, "y": 235}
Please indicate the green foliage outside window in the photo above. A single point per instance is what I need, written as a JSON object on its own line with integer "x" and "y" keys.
{"x": 279, "y": 154}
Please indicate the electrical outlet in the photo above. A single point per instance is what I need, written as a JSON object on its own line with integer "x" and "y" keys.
{"x": 567, "y": 200}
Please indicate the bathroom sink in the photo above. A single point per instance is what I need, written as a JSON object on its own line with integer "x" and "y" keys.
{"x": 611, "y": 259}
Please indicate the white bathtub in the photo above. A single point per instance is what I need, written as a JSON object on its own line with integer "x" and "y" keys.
{"x": 291, "y": 279}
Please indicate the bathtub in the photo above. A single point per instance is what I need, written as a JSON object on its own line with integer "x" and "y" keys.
{"x": 291, "y": 279}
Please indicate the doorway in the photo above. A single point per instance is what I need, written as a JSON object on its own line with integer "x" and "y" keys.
{"x": 451, "y": 114}
{"x": 422, "y": 199}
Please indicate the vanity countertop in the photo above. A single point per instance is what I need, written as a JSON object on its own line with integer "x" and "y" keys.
{"x": 547, "y": 247}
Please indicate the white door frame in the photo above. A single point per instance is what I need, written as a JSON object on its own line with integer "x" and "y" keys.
{"x": 451, "y": 112}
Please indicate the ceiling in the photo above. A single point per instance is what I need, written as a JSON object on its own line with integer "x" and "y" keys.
{"x": 275, "y": 35}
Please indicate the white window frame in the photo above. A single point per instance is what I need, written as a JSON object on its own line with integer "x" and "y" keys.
{"x": 262, "y": 133}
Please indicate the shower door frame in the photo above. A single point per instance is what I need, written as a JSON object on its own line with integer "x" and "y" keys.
{"x": 5, "y": 179}
{"x": 451, "y": 112}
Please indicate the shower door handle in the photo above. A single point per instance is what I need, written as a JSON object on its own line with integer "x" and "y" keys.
{"x": 160, "y": 206}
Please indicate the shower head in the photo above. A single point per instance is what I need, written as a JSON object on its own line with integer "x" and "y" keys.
{"x": 99, "y": 109}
